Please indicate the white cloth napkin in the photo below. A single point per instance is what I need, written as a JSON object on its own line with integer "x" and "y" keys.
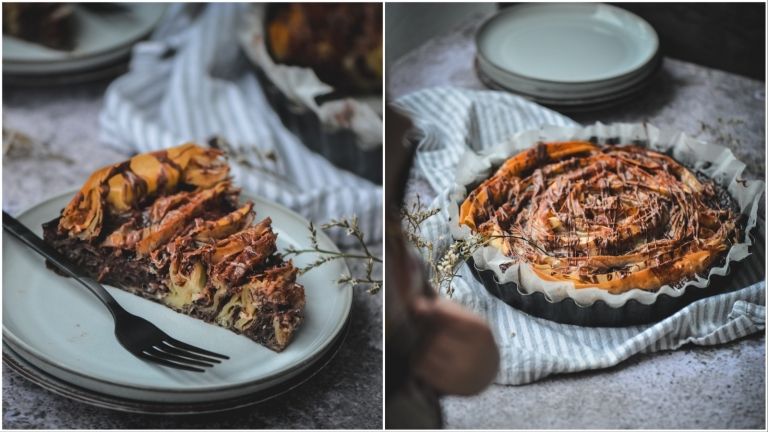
{"x": 190, "y": 81}
{"x": 451, "y": 121}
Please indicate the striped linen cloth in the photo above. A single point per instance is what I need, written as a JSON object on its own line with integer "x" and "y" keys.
{"x": 190, "y": 81}
{"x": 449, "y": 122}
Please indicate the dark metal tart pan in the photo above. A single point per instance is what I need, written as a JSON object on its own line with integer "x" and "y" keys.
{"x": 599, "y": 314}
{"x": 339, "y": 146}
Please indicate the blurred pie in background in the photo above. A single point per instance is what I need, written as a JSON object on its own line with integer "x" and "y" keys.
{"x": 341, "y": 42}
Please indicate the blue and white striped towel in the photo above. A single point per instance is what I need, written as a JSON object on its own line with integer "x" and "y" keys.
{"x": 451, "y": 121}
{"x": 190, "y": 81}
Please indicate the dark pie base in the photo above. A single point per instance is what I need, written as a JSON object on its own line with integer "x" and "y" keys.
{"x": 339, "y": 146}
{"x": 599, "y": 314}
{"x": 136, "y": 277}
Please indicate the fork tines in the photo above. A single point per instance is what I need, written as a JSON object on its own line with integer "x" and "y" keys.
{"x": 176, "y": 354}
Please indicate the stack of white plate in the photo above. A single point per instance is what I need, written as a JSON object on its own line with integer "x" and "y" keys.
{"x": 576, "y": 56}
{"x": 103, "y": 40}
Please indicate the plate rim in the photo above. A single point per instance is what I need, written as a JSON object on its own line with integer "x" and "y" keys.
{"x": 84, "y": 76}
{"x": 90, "y": 397}
{"x": 502, "y": 13}
{"x": 571, "y": 91}
{"x": 9, "y": 336}
{"x": 581, "y": 104}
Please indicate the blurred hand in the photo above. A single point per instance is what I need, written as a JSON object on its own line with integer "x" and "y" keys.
{"x": 460, "y": 356}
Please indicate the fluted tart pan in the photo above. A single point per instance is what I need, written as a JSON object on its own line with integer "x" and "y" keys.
{"x": 607, "y": 225}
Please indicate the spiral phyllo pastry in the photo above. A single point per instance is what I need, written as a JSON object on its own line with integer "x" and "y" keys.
{"x": 614, "y": 217}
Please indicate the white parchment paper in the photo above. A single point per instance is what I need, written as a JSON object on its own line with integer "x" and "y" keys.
{"x": 301, "y": 85}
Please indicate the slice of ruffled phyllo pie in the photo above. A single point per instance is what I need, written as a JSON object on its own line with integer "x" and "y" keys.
{"x": 168, "y": 226}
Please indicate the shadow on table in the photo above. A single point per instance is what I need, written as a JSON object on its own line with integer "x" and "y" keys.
{"x": 651, "y": 100}
{"x": 694, "y": 387}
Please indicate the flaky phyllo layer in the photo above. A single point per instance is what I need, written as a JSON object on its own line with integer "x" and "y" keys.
{"x": 615, "y": 217}
{"x": 168, "y": 226}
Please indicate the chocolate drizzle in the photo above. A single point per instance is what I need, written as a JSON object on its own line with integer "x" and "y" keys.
{"x": 168, "y": 226}
{"x": 614, "y": 217}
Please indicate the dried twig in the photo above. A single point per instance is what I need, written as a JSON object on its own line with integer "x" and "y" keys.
{"x": 719, "y": 133}
{"x": 352, "y": 229}
{"x": 444, "y": 270}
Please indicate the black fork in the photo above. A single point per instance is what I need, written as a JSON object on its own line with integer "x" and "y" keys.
{"x": 139, "y": 336}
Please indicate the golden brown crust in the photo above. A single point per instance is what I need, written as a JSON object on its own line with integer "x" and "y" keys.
{"x": 341, "y": 42}
{"x": 121, "y": 187}
{"x": 615, "y": 218}
{"x": 174, "y": 215}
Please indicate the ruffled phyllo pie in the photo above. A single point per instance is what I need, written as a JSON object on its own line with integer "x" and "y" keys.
{"x": 168, "y": 226}
{"x": 341, "y": 42}
{"x": 611, "y": 217}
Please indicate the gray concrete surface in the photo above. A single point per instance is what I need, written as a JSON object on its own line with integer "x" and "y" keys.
{"x": 694, "y": 387}
{"x": 63, "y": 122}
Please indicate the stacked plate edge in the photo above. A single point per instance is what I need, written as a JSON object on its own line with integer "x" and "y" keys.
{"x": 102, "y": 43}
{"x": 568, "y": 55}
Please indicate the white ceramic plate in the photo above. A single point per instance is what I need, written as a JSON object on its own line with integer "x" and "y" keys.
{"x": 567, "y": 43}
{"x": 63, "y": 329}
{"x": 108, "y": 71}
{"x": 69, "y": 390}
{"x": 100, "y": 38}
{"x": 576, "y": 104}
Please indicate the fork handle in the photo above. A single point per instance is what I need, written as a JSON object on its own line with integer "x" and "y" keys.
{"x": 26, "y": 236}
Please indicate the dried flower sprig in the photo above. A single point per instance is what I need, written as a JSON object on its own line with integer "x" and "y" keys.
{"x": 417, "y": 214}
{"x": 351, "y": 228}
{"x": 413, "y": 217}
{"x": 447, "y": 267}
{"x": 718, "y": 131}
{"x": 461, "y": 250}
{"x": 444, "y": 270}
